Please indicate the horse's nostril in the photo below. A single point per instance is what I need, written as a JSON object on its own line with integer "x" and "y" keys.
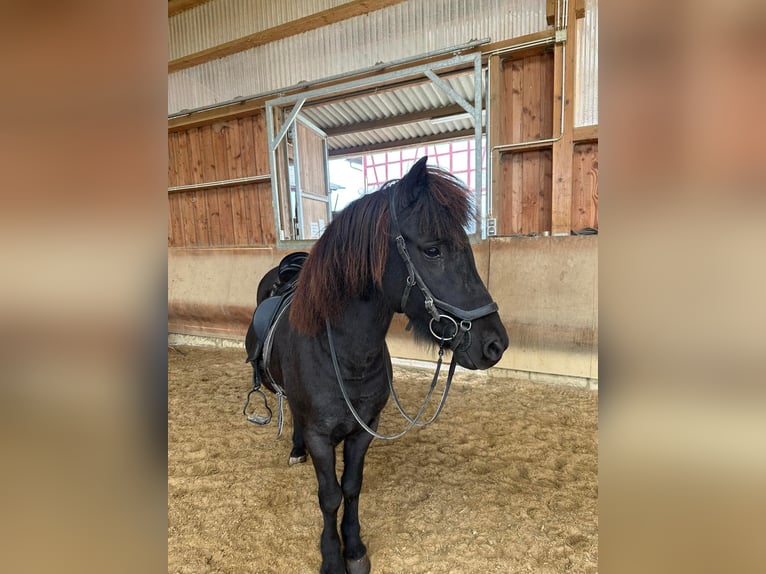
{"x": 493, "y": 350}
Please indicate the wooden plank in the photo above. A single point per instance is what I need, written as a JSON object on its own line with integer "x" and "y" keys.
{"x": 175, "y": 231}
{"x": 268, "y": 233}
{"x": 233, "y": 153}
{"x": 561, "y": 217}
{"x": 515, "y": 85}
{"x": 546, "y": 189}
{"x": 531, "y": 200}
{"x": 239, "y": 199}
{"x": 261, "y": 140}
{"x": 583, "y": 134}
{"x": 189, "y": 238}
{"x": 173, "y": 174}
{"x": 210, "y": 173}
{"x": 170, "y": 225}
{"x": 215, "y": 115}
{"x": 585, "y": 186}
{"x": 292, "y": 28}
{"x": 175, "y": 227}
{"x": 530, "y": 97}
{"x": 252, "y": 208}
{"x": 263, "y": 191}
{"x": 197, "y": 198}
{"x": 510, "y": 217}
{"x": 496, "y": 136}
{"x": 220, "y": 153}
{"x": 178, "y": 6}
{"x": 181, "y": 151}
{"x": 546, "y": 95}
{"x": 545, "y": 80}
{"x": 313, "y": 176}
{"x": 550, "y": 10}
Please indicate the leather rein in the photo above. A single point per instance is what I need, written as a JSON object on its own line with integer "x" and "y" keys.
{"x": 438, "y": 310}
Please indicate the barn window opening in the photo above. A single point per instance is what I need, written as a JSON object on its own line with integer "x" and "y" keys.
{"x": 329, "y": 146}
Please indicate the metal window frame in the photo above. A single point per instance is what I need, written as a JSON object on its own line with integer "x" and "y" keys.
{"x": 429, "y": 70}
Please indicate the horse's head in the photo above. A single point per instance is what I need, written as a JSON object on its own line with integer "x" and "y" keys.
{"x": 431, "y": 275}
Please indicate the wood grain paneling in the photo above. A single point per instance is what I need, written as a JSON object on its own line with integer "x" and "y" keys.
{"x": 522, "y": 200}
{"x": 313, "y": 178}
{"x": 527, "y": 176}
{"x": 585, "y": 186}
{"x": 239, "y": 215}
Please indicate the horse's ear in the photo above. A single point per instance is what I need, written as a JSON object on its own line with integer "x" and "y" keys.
{"x": 417, "y": 177}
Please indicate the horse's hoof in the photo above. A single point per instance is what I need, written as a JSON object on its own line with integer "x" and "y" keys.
{"x": 360, "y": 566}
{"x": 296, "y": 460}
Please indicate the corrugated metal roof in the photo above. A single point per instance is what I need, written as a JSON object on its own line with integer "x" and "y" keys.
{"x": 404, "y": 30}
{"x": 390, "y": 104}
{"x": 408, "y": 29}
{"x": 220, "y": 21}
{"x": 586, "y": 67}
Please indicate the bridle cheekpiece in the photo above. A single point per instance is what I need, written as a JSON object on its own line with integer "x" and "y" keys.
{"x": 437, "y": 308}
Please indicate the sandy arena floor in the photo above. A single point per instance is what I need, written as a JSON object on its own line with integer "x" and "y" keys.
{"x": 504, "y": 482}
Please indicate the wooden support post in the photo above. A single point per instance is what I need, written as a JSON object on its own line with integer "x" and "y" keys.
{"x": 564, "y": 62}
{"x": 496, "y": 135}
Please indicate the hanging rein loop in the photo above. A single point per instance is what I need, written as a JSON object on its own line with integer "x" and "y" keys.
{"x": 413, "y": 421}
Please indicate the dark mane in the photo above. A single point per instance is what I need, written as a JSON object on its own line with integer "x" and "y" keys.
{"x": 349, "y": 259}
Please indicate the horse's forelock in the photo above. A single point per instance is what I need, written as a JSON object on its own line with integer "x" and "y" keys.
{"x": 444, "y": 209}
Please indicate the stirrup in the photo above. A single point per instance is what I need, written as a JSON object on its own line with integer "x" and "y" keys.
{"x": 253, "y": 418}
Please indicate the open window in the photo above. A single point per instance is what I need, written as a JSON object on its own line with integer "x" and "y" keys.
{"x": 403, "y": 111}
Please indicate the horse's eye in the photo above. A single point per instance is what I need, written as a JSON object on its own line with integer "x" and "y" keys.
{"x": 432, "y": 252}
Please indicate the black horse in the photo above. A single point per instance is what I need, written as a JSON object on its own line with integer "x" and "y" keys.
{"x": 402, "y": 249}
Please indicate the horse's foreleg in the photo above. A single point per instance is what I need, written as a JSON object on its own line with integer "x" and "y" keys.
{"x": 354, "y": 450}
{"x": 298, "y": 453}
{"x": 330, "y": 496}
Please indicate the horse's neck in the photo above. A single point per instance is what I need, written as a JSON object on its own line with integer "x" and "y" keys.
{"x": 360, "y": 334}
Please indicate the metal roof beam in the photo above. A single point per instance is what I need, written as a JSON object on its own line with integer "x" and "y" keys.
{"x": 394, "y": 120}
{"x": 405, "y": 143}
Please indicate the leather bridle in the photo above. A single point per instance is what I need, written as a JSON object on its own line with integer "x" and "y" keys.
{"x": 437, "y": 308}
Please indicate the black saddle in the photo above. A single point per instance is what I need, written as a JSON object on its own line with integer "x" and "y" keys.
{"x": 267, "y": 310}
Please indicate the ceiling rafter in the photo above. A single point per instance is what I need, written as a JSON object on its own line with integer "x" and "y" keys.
{"x": 178, "y": 6}
{"x": 292, "y": 28}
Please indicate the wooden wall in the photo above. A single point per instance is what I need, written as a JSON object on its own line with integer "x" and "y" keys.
{"x": 523, "y": 98}
{"x": 585, "y": 186}
{"x": 313, "y": 180}
{"x": 225, "y": 215}
{"x": 526, "y": 114}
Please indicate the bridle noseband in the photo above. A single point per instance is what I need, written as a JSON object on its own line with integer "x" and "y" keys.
{"x": 433, "y": 305}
